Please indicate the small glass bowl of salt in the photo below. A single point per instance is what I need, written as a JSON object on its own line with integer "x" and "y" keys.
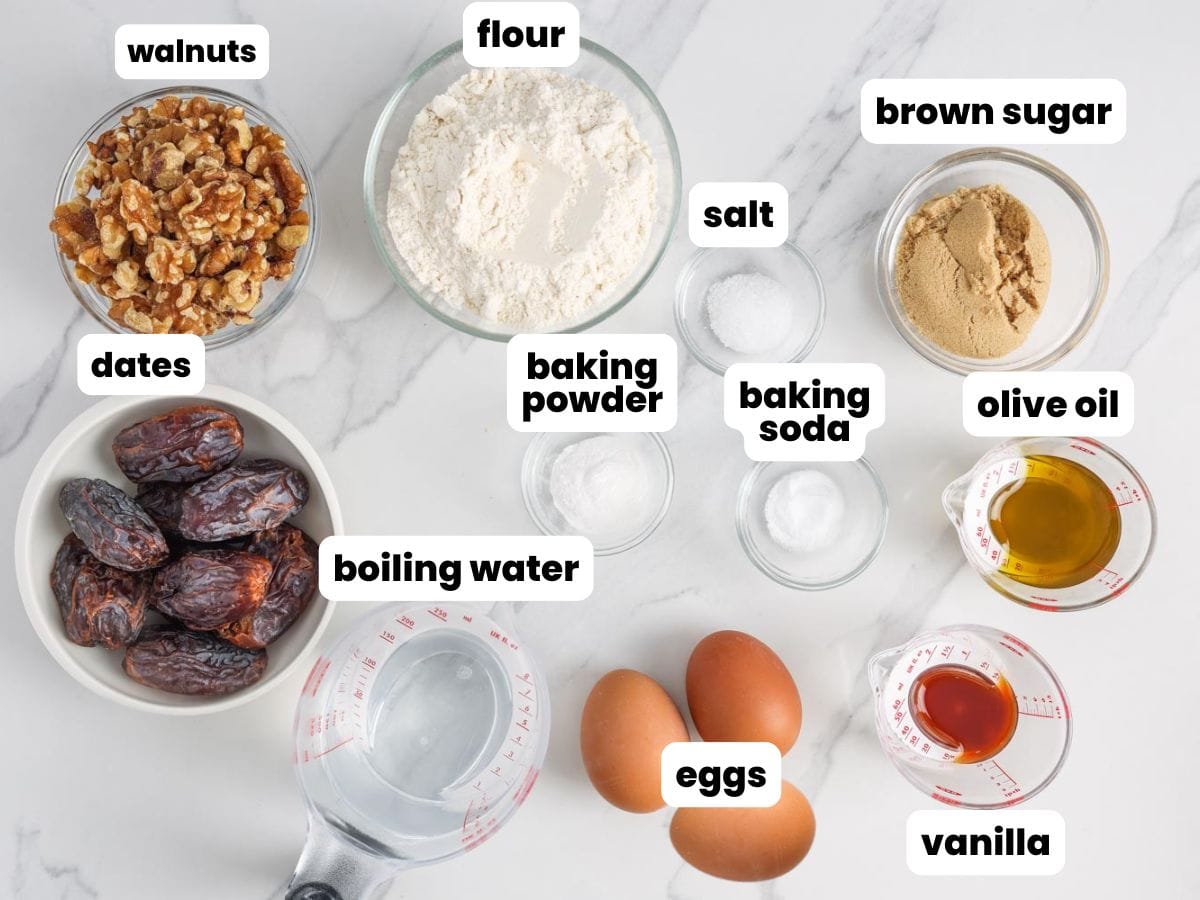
{"x": 611, "y": 488}
{"x": 812, "y": 525}
{"x": 749, "y": 304}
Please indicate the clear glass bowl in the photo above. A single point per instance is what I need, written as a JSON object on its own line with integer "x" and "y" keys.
{"x": 857, "y": 544}
{"x": 539, "y": 461}
{"x": 276, "y": 295}
{"x": 786, "y": 264}
{"x": 1078, "y": 253}
{"x": 433, "y": 77}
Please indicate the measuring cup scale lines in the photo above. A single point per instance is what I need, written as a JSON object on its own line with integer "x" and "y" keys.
{"x": 1056, "y": 524}
{"x": 971, "y": 716}
{"x": 417, "y": 735}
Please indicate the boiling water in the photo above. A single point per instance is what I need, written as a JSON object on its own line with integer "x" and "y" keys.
{"x": 436, "y": 713}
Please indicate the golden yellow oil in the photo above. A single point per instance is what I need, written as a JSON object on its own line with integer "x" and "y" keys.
{"x": 1059, "y": 523}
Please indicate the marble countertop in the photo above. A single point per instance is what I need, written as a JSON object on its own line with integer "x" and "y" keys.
{"x": 104, "y": 802}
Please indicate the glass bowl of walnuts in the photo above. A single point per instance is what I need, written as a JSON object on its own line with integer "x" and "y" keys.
{"x": 185, "y": 210}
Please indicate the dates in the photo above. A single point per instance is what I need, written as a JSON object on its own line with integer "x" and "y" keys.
{"x": 161, "y": 500}
{"x": 199, "y": 572}
{"x": 293, "y": 554}
{"x": 111, "y": 525}
{"x": 181, "y": 446}
{"x": 256, "y": 495}
{"x": 211, "y": 588}
{"x": 100, "y": 605}
{"x": 186, "y": 662}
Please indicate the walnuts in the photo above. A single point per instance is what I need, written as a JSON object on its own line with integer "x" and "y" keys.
{"x": 182, "y": 212}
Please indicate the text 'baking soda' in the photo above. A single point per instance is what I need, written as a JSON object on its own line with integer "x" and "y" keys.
{"x": 804, "y": 411}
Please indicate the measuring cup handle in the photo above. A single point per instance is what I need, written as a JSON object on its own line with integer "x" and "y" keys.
{"x": 332, "y": 869}
{"x": 313, "y": 891}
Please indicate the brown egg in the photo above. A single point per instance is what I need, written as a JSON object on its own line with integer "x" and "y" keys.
{"x": 627, "y": 720}
{"x": 746, "y": 844}
{"x": 739, "y": 690}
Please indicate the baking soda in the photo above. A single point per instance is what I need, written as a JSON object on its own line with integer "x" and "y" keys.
{"x": 804, "y": 511}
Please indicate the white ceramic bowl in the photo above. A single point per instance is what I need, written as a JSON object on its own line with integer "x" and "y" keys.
{"x": 83, "y": 449}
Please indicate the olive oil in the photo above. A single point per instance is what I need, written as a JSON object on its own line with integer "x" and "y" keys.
{"x": 1058, "y": 524}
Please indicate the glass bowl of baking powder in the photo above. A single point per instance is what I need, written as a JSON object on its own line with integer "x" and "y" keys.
{"x": 476, "y": 278}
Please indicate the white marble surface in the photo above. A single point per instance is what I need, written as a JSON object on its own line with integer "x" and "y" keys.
{"x": 100, "y": 801}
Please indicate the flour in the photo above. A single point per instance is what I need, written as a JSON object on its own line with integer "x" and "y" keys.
{"x": 523, "y": 195}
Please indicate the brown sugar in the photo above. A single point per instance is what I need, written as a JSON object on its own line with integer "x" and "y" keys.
{"x": 973, "y": 271}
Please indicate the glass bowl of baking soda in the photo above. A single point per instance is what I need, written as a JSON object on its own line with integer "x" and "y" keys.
{"x": 749, "y": 304}
{"x": 508, "y": 201}
{"x": 612, "y": 488}
{"x": 812, "y": 525}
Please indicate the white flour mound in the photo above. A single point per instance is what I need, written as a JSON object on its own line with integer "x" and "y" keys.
{"x": 524, "y": 195}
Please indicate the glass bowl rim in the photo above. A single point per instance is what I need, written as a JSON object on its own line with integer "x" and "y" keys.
{"x": 414, "y": 291}
{"x": 689, "y": 270}
{"x": 537, "y": 448}
{"x": 288, "y": 289}
{"x": 750, "y": 547}
{"x": 896, "y": 215}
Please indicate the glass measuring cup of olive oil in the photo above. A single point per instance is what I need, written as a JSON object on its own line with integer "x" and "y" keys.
{"x": 1054, "y": 523}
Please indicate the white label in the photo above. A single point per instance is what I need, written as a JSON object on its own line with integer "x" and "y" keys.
{"x": 521, "y": 34}
{"x": 1047, "y": 404}
{"x": 968, "y": 842}
{"x": 123, "y": 364}
{"x": 443, "y": 568}
{"x": 211, "y": 52}
{"x": 993, "y": 110}
{"x": 804, "y": 412}
{"x": 592, "y": 382}
{"x": 721, "y": 773}
{"x": 738, "y": 214}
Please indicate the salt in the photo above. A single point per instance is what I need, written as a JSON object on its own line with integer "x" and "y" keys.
{"x": 601, "y": 485}
{"x": 749, "y": 312}
{"x": 804, "y": 511}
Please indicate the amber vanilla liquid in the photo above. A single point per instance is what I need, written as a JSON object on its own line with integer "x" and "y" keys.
{"x": 964, "y": 710}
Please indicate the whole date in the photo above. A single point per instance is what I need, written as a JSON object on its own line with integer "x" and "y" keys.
{"x": 293, "y": 555}
{"x": 186, "y": 662}
{"x": 211, "y": 588}
{"x": 111, "y": 525}
{"x": 256, "y": 495}
{"x": 183, "y": 445}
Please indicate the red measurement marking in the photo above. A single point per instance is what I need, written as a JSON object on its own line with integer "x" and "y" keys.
{"x": 524, "y": 678}
{"x": 406, "y": 622}
{"x": 522, "y": 725}
{"x": 328, "y": 750}
{"x": 439, "y": 614}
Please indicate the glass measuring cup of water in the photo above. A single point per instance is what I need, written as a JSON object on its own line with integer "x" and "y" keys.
{"x": 417, "y": 735}
{"x": 1033, "y": 753}
{"x": 969, "y": 501}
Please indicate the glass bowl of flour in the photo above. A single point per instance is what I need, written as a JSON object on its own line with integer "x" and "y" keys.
{"x": 508, "y": 201}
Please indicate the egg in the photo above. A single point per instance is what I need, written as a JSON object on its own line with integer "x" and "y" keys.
{"x": 746, "y": 844}
{"x": 739, "y": 690}
{"x": 627, "y": 721}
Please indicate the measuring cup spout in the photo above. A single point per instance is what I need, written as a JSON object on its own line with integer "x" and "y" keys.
{"x": 331, "y": 869}
{"x": 954, "y": 499}
{"x": 879, "y": 665}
